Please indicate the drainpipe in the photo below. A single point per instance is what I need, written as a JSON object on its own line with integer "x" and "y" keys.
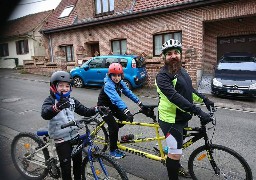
{"x": 50, "y": 45}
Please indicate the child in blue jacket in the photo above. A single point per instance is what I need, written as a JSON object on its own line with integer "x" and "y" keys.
{"x": 110, "y": 96}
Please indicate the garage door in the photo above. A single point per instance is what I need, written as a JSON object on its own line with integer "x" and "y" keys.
{"x": 236, "y": 44}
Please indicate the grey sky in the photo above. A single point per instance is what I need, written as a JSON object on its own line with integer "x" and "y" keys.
{"x": 26, "y": 7}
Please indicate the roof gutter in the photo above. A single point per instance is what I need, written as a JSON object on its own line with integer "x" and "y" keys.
{"x": 153, "y": 11}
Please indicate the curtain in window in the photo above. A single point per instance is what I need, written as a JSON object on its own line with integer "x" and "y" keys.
{"x": 177, "y": 36}
{"x": 116, "y": 47}
{"x": 158, "y": 44}
{"x": 98, "y": 6}
{"x": 69, "y": 54}
{"x": 111, "y": 5}
{"x": 167, "y": 37}
{"x": 123, "y": 46}
{"x": 105, "y": 5}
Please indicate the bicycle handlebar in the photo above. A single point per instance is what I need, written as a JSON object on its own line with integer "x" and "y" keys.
{"x": 213, "y": 119}
{"x": 85, "y": 120}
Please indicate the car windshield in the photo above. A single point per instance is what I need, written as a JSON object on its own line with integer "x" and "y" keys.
{"x": 237, "y": 59}
{"x": 248, "y": 66}
{"x": 140, "y": 62}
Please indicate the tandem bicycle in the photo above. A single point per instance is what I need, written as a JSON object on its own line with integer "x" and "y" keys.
{"x": 209, "y": 160}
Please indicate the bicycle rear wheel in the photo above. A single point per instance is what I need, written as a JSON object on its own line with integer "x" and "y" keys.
{"x": 99, "y": 134}
{"x": 100, "y": 162}
{"x": 231, "y": 165}
{"x": 31, "y": 165}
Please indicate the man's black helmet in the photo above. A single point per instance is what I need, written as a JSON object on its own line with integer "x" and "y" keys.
{"x": 60, "y": 76}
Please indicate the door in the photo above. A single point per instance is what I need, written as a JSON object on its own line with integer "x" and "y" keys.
{"x": 241, "y": 43}
{"x": 95, "y": 50}
{"x": 95, "y": 73}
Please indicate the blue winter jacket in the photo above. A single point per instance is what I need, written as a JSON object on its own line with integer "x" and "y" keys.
{"x": 110, "y": 94}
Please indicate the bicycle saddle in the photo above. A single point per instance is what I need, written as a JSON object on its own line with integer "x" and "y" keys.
{"x": 42, "y": 132}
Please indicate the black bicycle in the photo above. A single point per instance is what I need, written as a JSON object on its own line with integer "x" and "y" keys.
{"x": 34, "y": 155}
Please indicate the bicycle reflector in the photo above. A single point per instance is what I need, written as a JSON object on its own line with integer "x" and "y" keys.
{"x": 98, "y": 172}
{"x": 27, "y": 145}
{"x": 201, "y": 157}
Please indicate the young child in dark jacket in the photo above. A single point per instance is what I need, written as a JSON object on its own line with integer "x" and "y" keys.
{"x": 110, "y": 96}
{"x": 59, "y": 108}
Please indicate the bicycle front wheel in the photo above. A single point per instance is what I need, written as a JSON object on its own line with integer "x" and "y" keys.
{"x": 99, "y": 134}
{"x": 29, "y": 163}
{"x": 102, "y": 167}
{"x": 230, "y": 165}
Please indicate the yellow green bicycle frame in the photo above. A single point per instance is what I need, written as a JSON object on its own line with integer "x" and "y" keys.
{"x": 195, "y": 134}
{"x": 100, "y": 140}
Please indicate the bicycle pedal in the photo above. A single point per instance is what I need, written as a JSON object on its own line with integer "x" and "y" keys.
{"x": 156, "y": 151}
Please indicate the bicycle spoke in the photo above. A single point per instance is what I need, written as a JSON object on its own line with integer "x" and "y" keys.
{"x": 104, "y": 167}
{"x": 230, "y": 165}
{"x": 29, "y": 162}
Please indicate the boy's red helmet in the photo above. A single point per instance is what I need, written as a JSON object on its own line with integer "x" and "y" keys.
{"x": 115, "y": 68}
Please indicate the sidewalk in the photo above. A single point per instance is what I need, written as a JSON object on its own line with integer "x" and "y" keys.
{"x": 148, "y": 92}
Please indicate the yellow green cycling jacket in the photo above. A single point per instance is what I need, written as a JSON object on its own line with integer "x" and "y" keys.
{"x": 176, "y": 96}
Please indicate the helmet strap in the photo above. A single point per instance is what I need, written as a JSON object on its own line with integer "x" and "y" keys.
{"x": 57, "y": 95}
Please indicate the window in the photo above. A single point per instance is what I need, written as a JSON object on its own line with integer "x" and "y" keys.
{"x": 123, "y": 62}
{"x": 22, "y": 47}
{"x": 159, "y": 40}
{"x": 104, "y": 7}
{"x": 69, "y": 52}
{"x": 96, "y": 63}
{"x": 119, "y": 46}
{"x": 110, "y": 61}
{"x": 4, "y": 51}
{"x": 66, "y": 12}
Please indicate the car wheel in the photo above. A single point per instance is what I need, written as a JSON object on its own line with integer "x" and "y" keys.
{"x": 128, "y": 84}
{"x": 78, "y": 82}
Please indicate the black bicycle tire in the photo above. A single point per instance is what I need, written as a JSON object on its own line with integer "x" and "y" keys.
{"x": 106, "y": 136}
{"x": 107, "y": 158}
{"x": 40, "y": 143}
{"x": 222, "y": 148}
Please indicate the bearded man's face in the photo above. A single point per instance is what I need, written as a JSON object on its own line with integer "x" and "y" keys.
{"x": 173, "y": 60}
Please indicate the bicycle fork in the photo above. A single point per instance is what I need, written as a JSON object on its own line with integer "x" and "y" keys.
{"x": 96, "y": 171}
{"x": 211, "y": 159}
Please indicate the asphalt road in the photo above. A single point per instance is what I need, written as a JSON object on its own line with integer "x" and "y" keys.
{"x": 22, "y": 96}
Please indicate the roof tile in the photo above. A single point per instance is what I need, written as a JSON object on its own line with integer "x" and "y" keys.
{"x": 24, "y": 25}
{"x": 54, "y": 21}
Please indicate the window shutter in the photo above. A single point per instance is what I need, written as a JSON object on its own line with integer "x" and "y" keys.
{"x": 7, "y": 50}
{"x": 26, "y": 50}
{"x": 17, "y": 47}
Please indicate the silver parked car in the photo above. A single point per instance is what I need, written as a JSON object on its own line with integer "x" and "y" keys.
{"x": 235, "y": 75}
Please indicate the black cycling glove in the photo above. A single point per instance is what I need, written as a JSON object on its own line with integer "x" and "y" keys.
{"x": 209, "y": 104}
{"x": 63, "y": 103}
{"x": 104, "y": 111}
{"x": 204, "y": 117}
{"x": 129, "y": 116}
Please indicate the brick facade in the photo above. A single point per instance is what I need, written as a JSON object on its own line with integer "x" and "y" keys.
{"x": 200, "y": 28}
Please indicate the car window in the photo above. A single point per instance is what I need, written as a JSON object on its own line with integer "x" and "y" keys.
{"x": 123, "y": 62}
{"x": 237, "y": 59}
{"x": 96, "y": 63}
{"x": 140, "y": 62}
{"x": 109, "y": 61}
{"x": 245, "y": 66}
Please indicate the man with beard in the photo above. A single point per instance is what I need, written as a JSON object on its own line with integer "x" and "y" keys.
{"x": 176, "y": 107}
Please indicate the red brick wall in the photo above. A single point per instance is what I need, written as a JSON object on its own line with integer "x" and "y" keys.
{"x": 200, "y": 28}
